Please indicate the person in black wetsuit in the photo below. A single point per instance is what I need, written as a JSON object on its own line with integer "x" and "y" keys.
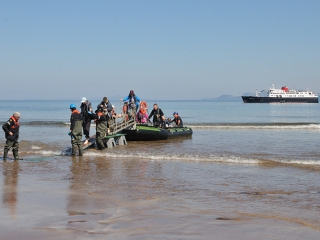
{"x": 157, "y": 115}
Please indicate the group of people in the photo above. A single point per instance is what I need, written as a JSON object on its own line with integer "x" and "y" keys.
{"x": 158, "y": 117}
{"x": 104, "y": 117}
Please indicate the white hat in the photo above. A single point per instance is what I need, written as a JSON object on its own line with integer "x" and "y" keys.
{"x": 83, "y": 99}
{"x": 113, "y": 106}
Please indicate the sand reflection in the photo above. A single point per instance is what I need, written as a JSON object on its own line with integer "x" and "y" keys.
{"x": 10, "y": 190}
{"x": 87, "y": 179}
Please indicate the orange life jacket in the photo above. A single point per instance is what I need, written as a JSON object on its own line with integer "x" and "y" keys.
{"x": 15, "y": 121}
{"x": 76, "y": 111}
{"x": 125, "y": 111}
{"x": 99, "y": 115}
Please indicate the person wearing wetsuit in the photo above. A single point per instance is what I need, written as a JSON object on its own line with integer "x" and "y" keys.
{"x": 157, "y": 115}
{"x": 76, "y": 121}
{"x": 11, "y": 129}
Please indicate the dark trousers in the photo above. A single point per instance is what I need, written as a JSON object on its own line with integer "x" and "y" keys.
{"x": 86, "y": 129}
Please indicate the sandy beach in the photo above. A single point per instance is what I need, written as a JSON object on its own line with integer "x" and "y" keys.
{"x": 97, "y": 198}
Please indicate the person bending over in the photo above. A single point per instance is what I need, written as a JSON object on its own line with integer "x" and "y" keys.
{"x": 177, "y": 120}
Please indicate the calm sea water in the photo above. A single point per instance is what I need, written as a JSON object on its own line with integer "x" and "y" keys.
{"x": 223, "y": 131}
{"x": 250, "y": 171}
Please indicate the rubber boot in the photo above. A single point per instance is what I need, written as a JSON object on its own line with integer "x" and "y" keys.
{"x": 80, "y": 150}
{"x": 5, "y": 154}
{"x": 74, "y": 151}
{"x": 16, "y": 155}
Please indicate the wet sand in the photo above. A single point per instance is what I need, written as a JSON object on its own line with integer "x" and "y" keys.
{"x": 111, "y": 198}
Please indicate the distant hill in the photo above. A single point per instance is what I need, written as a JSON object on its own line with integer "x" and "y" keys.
{"x": 249, "y": 94}
{"x": 224, "y": 98}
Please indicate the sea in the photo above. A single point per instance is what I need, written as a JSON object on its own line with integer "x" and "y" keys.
{"x": 249, "y": 171}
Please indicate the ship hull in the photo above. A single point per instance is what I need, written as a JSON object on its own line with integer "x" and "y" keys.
{"x": 253, "y": 99}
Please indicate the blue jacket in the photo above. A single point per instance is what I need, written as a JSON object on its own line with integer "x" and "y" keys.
{"x": 134, "y": 98}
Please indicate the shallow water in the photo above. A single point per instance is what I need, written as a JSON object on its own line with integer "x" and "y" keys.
{"x": 99, "y": 198}
{"x": 249, "y": 171}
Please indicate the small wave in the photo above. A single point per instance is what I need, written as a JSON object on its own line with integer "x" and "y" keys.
{"x": 211, "y": 158}
{"x": 50, "y": 152}
{"x": 51, "y": 123}
{"x": 176, "y": 157}
{"x": 35, "y": 147}
{"x": 45, "y": 123}
{"x": 289, "y": 126}
{"x": 229, "y": 159}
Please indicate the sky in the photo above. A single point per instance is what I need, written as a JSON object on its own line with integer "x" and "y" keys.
{"x": 163, "y": 50}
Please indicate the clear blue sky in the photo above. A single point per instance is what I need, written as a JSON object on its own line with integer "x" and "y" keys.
{"x": 169, "y": 49}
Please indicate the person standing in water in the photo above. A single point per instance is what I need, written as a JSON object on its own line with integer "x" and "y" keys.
{"x": 11, "y": 129}
{"x": 101, "y": 127}
{"x": 75, "y": 130}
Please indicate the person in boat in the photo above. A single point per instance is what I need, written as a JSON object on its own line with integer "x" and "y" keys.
{"x": 112, "y": 120}
{"x": 85, "y": 108}
{"x": 101, "y": 127}
{"x": 75, "y": 132}
{"x": 11, "y": 129}
{"x": 177, "y": 120}
{"x": 125, "y": 111}
{"x": 142, "y": 116}
{"x": 157, "y": 114}
{"x": 164, "y": 123}
{"x": 114, "y": 115}
{"x": 133, "y": 102}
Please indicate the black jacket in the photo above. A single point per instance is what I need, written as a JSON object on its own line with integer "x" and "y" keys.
{"x": 85, "y": 108}
{"x": 11, "y": 126}
{"x": 176, "y": 120}
{"x": 157, "y": 114}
